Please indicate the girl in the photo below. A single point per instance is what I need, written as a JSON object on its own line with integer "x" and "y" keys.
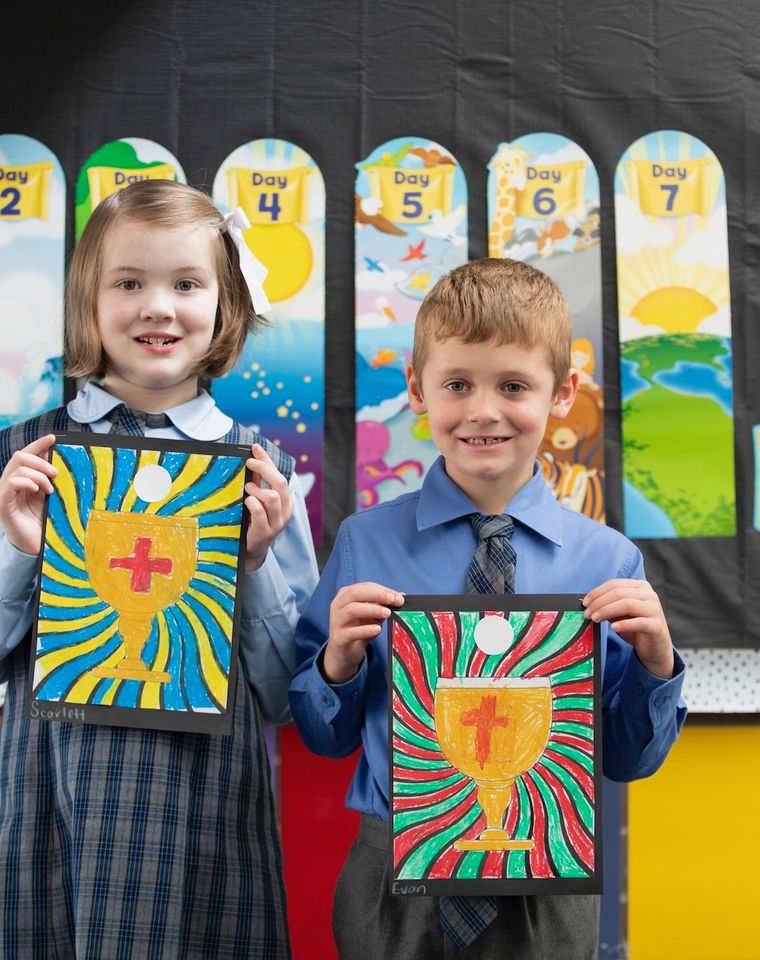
{"x": 119, "y": 842}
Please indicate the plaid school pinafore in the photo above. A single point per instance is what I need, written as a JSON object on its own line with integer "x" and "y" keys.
{"x": 121, "y": 843}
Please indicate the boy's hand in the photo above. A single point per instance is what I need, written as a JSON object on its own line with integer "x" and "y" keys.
{"x": 270, "y": 507}
{"x": 635, "y": 614}
{"x": 357, "y": 615}
{"x": 24, "y": 484}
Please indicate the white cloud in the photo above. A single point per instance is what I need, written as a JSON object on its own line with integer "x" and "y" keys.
{"x": 371, "y": 321}
{"x": 52, "y": 227}
{"x": 631, "y": 329}
{"x": 31, "y": 313}
{"x": 634, "y": 231}
{"x": 374, "y": 280}
{"x": 565, "y": 155}
{"x": 708, "y": 246}
{"x": 308, "y": 306}
{"x": 10, "y": 391}
{"x": 384, "y": 411}
{"x": 718, "y": 323}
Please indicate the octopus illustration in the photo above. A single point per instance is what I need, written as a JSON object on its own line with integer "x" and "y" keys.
{"x": 373, "y": 441}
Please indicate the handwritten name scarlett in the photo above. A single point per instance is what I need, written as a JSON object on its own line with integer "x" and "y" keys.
{"x": 60, "y": 712}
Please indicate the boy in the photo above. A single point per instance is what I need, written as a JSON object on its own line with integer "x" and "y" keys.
{"x": 491, "y": 363}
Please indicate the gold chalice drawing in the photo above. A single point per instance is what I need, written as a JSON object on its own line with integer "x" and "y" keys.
{"x": 139, "y": 564}
{"x": 493, "y": 731}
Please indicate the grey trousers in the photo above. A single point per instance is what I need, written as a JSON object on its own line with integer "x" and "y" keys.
{"x": 370, "y": 924}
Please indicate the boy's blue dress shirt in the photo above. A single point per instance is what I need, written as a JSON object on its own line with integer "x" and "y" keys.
{"x": 422, "y": 543}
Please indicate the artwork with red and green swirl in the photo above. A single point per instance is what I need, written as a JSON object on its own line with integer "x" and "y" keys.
{"x": 496, "y": 752}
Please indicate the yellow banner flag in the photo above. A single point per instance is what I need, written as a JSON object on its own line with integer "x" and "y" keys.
{"x": 410, "y": 196}
{"x": 25, "y": 191}
{"x": 270, "y": 196}
{"x": 672, "y": 189}
{"x": 104, "y": 181}
{"x": 552, "y": 190}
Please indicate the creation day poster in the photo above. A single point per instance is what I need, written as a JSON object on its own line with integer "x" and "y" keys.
{"x": 676, "y": 365}
{"x": 32, "y": 238}
{"x": 410, "y": 213}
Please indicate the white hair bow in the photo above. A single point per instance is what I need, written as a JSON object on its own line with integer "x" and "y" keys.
{"x": 253, "y": 270}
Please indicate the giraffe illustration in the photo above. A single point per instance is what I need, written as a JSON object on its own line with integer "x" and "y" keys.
{"x": 508, "y": 164}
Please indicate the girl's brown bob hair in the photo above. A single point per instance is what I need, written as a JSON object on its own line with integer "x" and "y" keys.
{"x": 163, "y": 203}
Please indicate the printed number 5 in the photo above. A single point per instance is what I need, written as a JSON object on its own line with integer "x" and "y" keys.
{"x": 11, "y": 209}
{"x": 672, "y": 189}
{"x": 414, "y": 205}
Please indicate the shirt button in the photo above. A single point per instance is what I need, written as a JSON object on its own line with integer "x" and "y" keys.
{"x": 327, "y": 701}
{"x": 660, "y": 700}
{"x": 638, "y": 689}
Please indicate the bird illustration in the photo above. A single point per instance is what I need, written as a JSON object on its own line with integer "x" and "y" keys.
{"x": 432, "y": 157}
{"x": 367, "y": 214}
{"x": 387, "y": 159}
{"x": 550, "y": 234}
{"x": 444, "y": 227}
{"x": 415, "y": 253}
{"x": 420, "y": 281}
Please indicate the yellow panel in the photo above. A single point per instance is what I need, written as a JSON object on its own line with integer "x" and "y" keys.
{"x": 694, "y": 850}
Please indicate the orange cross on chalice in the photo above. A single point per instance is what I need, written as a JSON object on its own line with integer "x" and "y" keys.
{"x": 139, "y": 564}
{"x": 493, "y": 731}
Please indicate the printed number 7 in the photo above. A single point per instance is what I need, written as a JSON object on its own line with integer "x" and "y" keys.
{"x": 414, "y": 205}
{"x": 672, "y": 189}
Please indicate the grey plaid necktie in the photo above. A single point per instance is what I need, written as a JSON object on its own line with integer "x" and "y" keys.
{"x": 492, "y": 570}
{"x": 134, "y": 422}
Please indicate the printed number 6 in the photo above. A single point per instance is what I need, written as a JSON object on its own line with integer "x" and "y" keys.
{"x": 11, "y": 209}
{"x": 544, "y": 202}
{"x": 414, "y": 205}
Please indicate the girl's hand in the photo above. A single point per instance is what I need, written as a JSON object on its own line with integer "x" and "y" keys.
{"x": 357, "y": 615}
{"x": 24, "y": 484}
{"x": 270, "y": 507}
{"x": 635, "y": 614}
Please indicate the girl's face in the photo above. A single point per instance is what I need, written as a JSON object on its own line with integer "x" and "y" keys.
{"x": 156, "y": 307}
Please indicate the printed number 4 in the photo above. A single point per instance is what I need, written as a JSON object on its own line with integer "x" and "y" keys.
{"x": 11, "y": 208}
{"x": 412, "y": 206}
{"x": 672, "y": 190}
{"x": 273, "y": 208}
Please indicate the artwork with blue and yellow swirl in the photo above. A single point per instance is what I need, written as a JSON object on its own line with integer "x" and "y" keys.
{"x": 138, "y": 587}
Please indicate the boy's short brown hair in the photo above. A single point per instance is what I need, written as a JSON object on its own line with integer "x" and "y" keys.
{"x": 496, "y": 299}
{"x": 163, "y": 203}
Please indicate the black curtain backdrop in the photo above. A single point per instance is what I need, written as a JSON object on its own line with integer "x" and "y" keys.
{"x": 339, "y": 77}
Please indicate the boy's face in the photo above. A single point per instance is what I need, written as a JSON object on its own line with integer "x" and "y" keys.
{"x": 488, "y": 404}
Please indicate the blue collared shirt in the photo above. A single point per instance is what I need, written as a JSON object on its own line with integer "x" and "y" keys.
{"x": 422, "y": 543}
{"x": 273, "y": 596}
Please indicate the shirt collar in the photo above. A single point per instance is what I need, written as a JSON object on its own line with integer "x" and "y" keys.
{"x": 198, "y": 419}
{"x": 534, "y": 506}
